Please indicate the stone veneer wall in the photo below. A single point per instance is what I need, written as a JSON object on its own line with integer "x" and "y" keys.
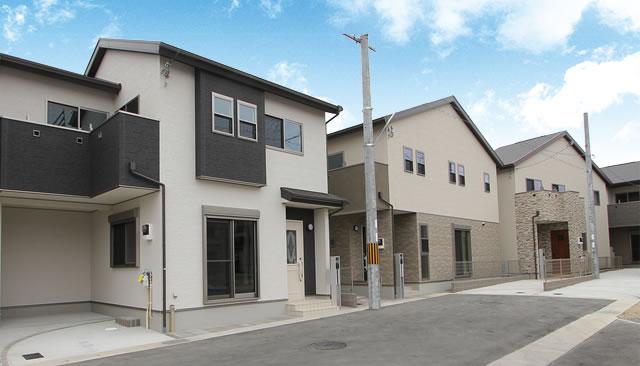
{"x": 554, "y": 207}
{"x": 407, "y": 242}
{"x": 347, "y": 243}
{"x": 484, "y": 243}
{"x": 544, "y": 236}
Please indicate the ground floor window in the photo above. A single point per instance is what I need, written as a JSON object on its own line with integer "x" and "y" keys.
{"x": 424, "y": 252}
{"x": 463, "y": 252}
{"x": 231, "y": 270}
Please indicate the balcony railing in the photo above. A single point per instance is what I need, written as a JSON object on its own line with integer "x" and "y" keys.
{"x": 624, "y": 214}
{"x": 41, "y": 158}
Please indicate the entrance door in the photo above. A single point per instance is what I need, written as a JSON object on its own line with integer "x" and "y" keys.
{"x": 560, "y": 244}
{"x": 295, "y": 262}
{"x": 635, "y": 247}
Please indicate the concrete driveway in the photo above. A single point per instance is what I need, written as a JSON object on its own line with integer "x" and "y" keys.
{"x": 447, "y": 330}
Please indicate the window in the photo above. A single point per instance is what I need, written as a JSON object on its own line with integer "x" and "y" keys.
{"x": 462, "y": 239}
{"x": 292, "y": 136}
{"x": 230, "y": 259}
{"x": 222, "y": 114}
{"x": 461, "y": 180}
{"x": 627, "y": 197}
{"x": 408, "y": 159}
{"x": 124, "y": 247}
{"x": 534, "y": 185}
{"x": 273, "y": 132}
{"x": 132, "y": 106}
{"x": 558, "y": 188}
{"x": 424, "y": 252}
{"x": 335, "y": 161}
{"x": 247, "y": 121}
{"x": 487, "y": 182}
{"x": 74, "y": 117}
{"x": 596, "y": 198}
{"x": 452, "y": 172}
{"x": 420, "y": 165}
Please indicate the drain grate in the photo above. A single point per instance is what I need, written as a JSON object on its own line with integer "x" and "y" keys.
{"x": 519, "y": 292}
{"x": 33, "y": 356}
{"x": 327, "y": 346}
{"x": 557, "y": 293}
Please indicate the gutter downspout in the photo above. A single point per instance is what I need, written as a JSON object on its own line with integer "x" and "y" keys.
{"x": 336, "y": 115}
{"x": 535, "y": 244}
{"x": 393, "y": 239}
{"x": 132, "y": 169}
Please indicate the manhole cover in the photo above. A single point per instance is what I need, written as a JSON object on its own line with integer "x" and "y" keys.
{"x": 327, "y": 345}
{"x": 32, "y": 356}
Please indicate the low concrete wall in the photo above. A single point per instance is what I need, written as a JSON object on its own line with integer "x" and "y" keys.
{"x": 457, "y": 286}
{"x": 44, "y": 309}
{"x": 564, "y": 282}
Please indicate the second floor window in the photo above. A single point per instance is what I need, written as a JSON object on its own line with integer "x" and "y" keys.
{"x": 461, "y": 178}
{"x": 596, "y": 198}
{"x": 335, "y": 161}
{"x": 420, "y": 164}
{"x": 247, "y": 121}
{"x": 534, "y": 185}
{"x": 452, "y": 172}
{"x": 627, "y": 197}
{"x": 408, "y": 159}
{"x": 74, "y": 117}
{"x": 283, "y": 134}
{"x": 487, "y": 182}
{"x": 222, "y": 114}
{"x": 558, "y": 188}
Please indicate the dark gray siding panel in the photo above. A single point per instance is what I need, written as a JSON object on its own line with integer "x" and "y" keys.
{"x": 228, "y": 157}
{"x": 307, "y": 217}
{"x": 53, "y": 163}
{"x": 139, "y": 142}
{"x": 104, "y": 157}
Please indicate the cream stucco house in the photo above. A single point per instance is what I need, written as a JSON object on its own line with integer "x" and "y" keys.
{"x": 159, "y": 161}
{"x": 438, "y": 199}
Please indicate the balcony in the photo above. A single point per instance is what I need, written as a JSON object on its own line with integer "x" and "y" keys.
{"x": 624, "y": 214}
{"x": 55, "y": 163}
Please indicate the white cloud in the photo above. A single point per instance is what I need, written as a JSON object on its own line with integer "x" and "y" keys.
{"x": 290, "y": 74}
{"x": 48, "y": 12}
{"x": 620, "y": 14}
{"x": 13, "y": 21}
{"x": 111, "y": 30}
{"x": 272, "y": 8}
{"x": 398, "y": 17}
{"x": 630, "y": 131}
{"x": 233, "y": 5}
{"x": 588, "y": 87}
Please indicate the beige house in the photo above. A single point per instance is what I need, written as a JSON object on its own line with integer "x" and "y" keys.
{"x": 624, "y": 210}
{"x": 542, "y": 188}
{"x": 438, "y": 202}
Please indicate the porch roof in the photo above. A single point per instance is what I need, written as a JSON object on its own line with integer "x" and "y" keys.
{"x": 312, "y": 197}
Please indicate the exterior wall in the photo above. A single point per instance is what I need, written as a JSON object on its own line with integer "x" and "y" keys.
{"x": 24, "y": 95}
{"x": 631, "y": 187}
{"x": 352, "y": 146}
{"x": 484, "y": 243}
{"x": 172, "y": 101}
{"x": 406, "y": 235}
{"x": 621, "y": 242}
{"x": 554, "y": 207}
{"x": 45, "y": 256}
{"x": 507, "y": 229}
{"x": 559, "y": 163}
{"x": 348, "y": 183}
{"x": 442, "y": 136}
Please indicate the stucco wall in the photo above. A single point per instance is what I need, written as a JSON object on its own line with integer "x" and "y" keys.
{"x": 352, "y": 146}
{"x": 621, "y": 242}
{"x": 507, "y": 228}
{"x": 442, "y": 135}
{"x": 45, "y": 256}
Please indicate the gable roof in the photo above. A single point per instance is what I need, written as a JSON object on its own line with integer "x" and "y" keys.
{"x": 623, "y": 174}
{"x": 186, "y": 57}
{"x": 450, "y": 100}
{"x": 514, "y": 154}
{"x": 60, "y": 74}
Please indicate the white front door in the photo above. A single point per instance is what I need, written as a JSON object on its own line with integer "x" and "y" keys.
{"x": 295, "y": 259}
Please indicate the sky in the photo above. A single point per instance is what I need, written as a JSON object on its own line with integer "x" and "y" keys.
{"x": 520, "y": 68}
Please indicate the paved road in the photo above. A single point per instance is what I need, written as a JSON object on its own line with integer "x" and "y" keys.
{"x": 448, "y": 330}
{"x": 618, "y": 344}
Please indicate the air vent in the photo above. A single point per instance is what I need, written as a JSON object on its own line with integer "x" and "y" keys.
{"x": 79, "y": 140}
{"x": 36, "y": 133}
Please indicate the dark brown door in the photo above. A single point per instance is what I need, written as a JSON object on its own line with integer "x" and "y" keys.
{"x": 635, "y": 247}
{"x": 560, "y": 244}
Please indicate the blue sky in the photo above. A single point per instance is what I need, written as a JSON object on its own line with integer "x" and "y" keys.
{"x": 521, "y": 68}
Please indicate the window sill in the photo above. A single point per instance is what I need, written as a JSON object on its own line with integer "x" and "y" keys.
{"x": 247, "y": 139}
{"x": 223, "y": 133}
{"x": 292, "y": 152}
{"x": 225, "y": 302}
{"x": 125, "y": 266}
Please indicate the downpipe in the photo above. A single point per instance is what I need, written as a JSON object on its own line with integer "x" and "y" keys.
{"x": 535, "y": 244}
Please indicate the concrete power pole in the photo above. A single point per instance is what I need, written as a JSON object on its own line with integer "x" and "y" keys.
{"x": 590, "y": 200}
{"x": 373, "y": 256}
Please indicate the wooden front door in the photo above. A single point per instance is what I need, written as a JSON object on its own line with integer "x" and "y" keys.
{"x": 560, "y": 244}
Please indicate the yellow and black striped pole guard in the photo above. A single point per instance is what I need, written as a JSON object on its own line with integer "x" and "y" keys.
{"x": 373, "y": 254}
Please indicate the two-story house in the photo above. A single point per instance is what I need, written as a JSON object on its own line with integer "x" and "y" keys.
{"x": 542, "y": 187}
{"x": 438, "y": 202}
{"x": 157, "y": 160}
{"x": 624, "y": 210}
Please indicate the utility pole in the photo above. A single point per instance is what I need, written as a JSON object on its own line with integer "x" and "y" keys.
{"x": 373, "y": 256}
{"x": 590, "y": 199}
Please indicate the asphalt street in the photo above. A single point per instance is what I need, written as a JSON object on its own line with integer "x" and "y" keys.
{"x": 449, "y": 330}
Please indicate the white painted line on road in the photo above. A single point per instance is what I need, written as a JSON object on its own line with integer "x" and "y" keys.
{"x": 554, "y": 345}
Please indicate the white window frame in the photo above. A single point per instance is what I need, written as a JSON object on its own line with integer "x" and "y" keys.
{"x": 460, "y": 168}
{"x": 455, "y": 172}
{"x": 413, "y": 160}
{"x": 486, "y": 179}
{"x": 424, "y": 163}
{"x": 213, "y": 114}
{"x": 284, "y": 136}
{"x": 255, "y": 117}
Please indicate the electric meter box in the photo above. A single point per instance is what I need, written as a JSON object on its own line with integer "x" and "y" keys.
{"x": 147, "y": 232}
